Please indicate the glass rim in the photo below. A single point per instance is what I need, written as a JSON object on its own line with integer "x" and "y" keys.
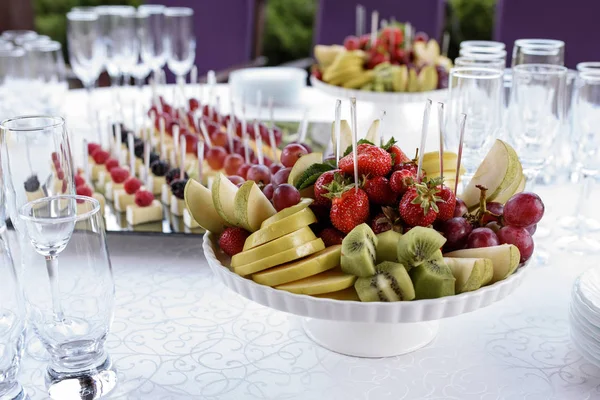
{"x": 81, "y": 15}
{"x": 45, "y": 46}
{"x": 178, "y": 12}
{"x": 75, "y": 218}
{"x": 547, "y": 69}
{"x": 472, "y": 72}
{"x": 587, "y": 64}
{"x": 115, "y": 10}
{"x": 13, "y": 33}
{"x": 57, "y": 122}
{"x": 479, "y": 62}
{"x": 152, "y": 8}
{"x": 482, "y": 43}
{"x": 13, "y": 51}
{"x": 593, "y": 76}
{"x": 547, "y": 43}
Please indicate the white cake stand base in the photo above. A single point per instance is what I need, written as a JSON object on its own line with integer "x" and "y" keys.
{"x": 371, "y": 340}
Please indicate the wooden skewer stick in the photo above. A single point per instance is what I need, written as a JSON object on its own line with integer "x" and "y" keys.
{"x": 131, "y": 144}
{"x": 374, "y": 26}
{"x": 182, "y": 151}
{"x": 354, "y": 140}
{"x": 86, "y": 164}
{"x": 441, "y": 133}
{"x": 272, "y": 141}
{"x": 161, "y": 124}
{"x": 200, "y": 160}
{"x": 259, "y": 143}
{"x": 379, "y": 137}
{"x": 461, "y": 129}
{"x": 147, "y": 175}
{"x": 424, "y": 129}
{"x": 337, "y": 129}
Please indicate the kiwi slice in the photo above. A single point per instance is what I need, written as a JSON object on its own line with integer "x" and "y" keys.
{"x": 433, "y": 278}
{"x": 389, "y": 283}
{"x": 418, "y": 245}
{"x": 387, "y": 245}
{"x": 359, "y": 251}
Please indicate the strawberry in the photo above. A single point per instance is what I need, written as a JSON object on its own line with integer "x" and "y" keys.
{"x": 446, "y": 204}
{"x": 100, "y": 156}
{"x": 119, "y": 175}
{"x": 321, "y": 190}
{"x": 351, "y": 43}
{"x": 401, "y": 180}
{"x": 111, "y": 163}
{"x": 418, "y": 205}
{"x": 372, "y": 161}
{"x": 84, "y": 190}
{"x": 194, "y": 104}
{"x": 132, "y": 185}
{"x": 399, "y": 156}
{"x": 143, "y": 198}
{"x": 232, "y": 240}
{"x": 349, "y": 207}
{"x": 60, "y": 174}
{"x": 331, "y": 236}
{"x": 379, "y": 191}
{"x": 92, "y": 147}
{"x": 79, "y": 180}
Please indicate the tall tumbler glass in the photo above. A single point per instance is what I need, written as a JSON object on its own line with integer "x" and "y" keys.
{"x": 476, "y": 92}
{"x": 482, "y": 43}
{"x": 538, "y": 51}
{"x": 181, "y": 41}
{"x": 36, "y": 161}
{"x": 12, "y": 318}
{"x": 154, "y": 42}
{"x": 70, "y": 309}
{"x": 588, "y": 66}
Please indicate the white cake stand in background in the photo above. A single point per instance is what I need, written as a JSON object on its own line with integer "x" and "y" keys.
{"x": 362, "y": 329}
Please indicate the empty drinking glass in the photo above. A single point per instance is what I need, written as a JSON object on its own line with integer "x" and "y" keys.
{"x": 588, "y": 66}
{"x": 482, "y": 43}
{"x": 476, "y": 92}
{"x": 538, "y": 51}
{"x": 36, "y": 161}
{"x": 69, "y": 292}
{"x": 141, "y": 69}
{"x": 181, "y": 41}
{"x": 154, "y": 42}
{"x": 483, "y": 53}
{"x": 478, "y": 62}
{"x": 47, "y": 70}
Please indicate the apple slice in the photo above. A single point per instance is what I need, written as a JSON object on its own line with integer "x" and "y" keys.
{"x": 498, "y": 171}
{"x": 223, "y": 195}
{"x": 348, "y": 294}
{"x": 505, "y": 258}
{"x": 280, "y": 228}
{"x": 251, "y": 206}
{"x": 325, "y": 282}
{"x": 372, "y": 132}
{"x": 286, "y": 212}
{"x": 470, "y": 273}
{"x": 345, "y": 136}
{"x": 302, "y": 165}
{"x": 199, "y": 202}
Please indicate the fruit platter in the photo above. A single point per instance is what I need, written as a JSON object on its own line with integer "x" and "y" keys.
{"x": 371, "y": 246}
{"x": 391, "y": 65}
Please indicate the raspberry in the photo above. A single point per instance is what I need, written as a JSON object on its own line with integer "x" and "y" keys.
{"x": 78, "y": 181}
{"x": 132, "y": 185}
{"x": 84, "y": 190}
{"x": 111, "y": 163}
{"x": 143, "y": 198}
{"x": 92, "y": 147}
{"x": 101, "y": 156}
{"x": 119, "y": 175}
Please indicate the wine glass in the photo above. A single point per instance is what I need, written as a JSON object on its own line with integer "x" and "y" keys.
{"x": 538, "y": 51}
{"x": 71, "y": 302}
{"x": 181, "y": 41}
{"x": 154, "y": 42}
{"x": 47, "y": 69}
{"x": 86, "y": 50}
{"x": 141, "y": 68}
{"x": 36, "y": 161}
{"x": 476, "y": 92}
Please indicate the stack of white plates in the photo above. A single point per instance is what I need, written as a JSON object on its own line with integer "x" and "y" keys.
{"x": 584, "y": 315}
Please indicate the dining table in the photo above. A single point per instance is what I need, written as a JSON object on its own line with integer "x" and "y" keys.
{"x": 179, "y": 333}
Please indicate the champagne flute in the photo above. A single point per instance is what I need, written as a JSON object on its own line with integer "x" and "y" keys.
{"x": 181, "y": 41}
{"x": 154, "y": 42}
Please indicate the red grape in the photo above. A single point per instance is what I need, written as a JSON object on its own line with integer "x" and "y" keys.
{"x": 232, "y": 163}
{"x": 243, "y": 170}
{"x": 523, "y": 209}
{"x": 219, "y": 139}
{"x": 285, "y": 196}
{"x": 191, "y": 143}
{"x": 268, "y": 191}
{"x": 275, "y": 167}
{"x": 531, "y": 229}
{"x": 259, "y": 174}
{"x": 456, "y": 230}
{"x": 494, "y": 208}
{"x": 235, "y": 179}
{"x": 482, "y": 237}
{"x": 281, "y": 177}
{"x": 520, "y": 238}
{"x": 291, "y": 153}
{"x": 215, "y": 157}
{"x": 460, "y": 208}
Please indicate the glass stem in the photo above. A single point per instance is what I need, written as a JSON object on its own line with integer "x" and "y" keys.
{"x": 52, "y": 268}
{"x": 584, "y": 194}
{"x": 90, "y": 108}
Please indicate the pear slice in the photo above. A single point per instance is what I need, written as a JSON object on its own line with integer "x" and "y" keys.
{"x": 428, "y": 78}
{"x": 325, "y": 282}
{"x": 470, "y": 273}
{"x": 498, "y": 170}
{"x": 521, "y": 185}
{"x": 252, "y": 207}
{"x": 289, "y": 241}
{"x": 223, "y": 195}
{"x": 372, "y": 132}
{"x": 281, "y": 258}
{"x": 413, "y": 81}
{"x": 286, "y": 212}
{"x": 199, "y": 203}
{"x": 315, "y": 264}
{"x": 505, "y": 258}
{"x": 345, "y": 136}
{"x": 280, "y": 228}
{"x": 348, "y": 294}
{"x": 302, "y": 165}
{"x": 400, "y": 78}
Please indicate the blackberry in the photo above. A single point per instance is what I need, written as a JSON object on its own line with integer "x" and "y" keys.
{"x": 160, "y": 167}
{"x": 124, "y": 135}
{"x": 153, "y": 157}
{"x": 178, "y": 188}
{"x": 138, "y": 148}
{"x": 174, "y": 174}
{"x": 32, "y": 184}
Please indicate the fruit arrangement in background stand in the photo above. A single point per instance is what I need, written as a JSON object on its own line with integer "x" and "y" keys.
{"x": 393, "y": 63}
{"x": 392, "y": 235}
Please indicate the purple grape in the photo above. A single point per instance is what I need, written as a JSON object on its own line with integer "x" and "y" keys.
{"x": 456, "y": 230}
{"x": 520, "y": 238}
{"x": 482, "y": 237}
{"x": 460, "y": 208}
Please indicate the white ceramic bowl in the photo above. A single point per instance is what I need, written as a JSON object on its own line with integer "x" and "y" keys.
{"x": 389, "y": 98}
{"x": 283, "y": 84}
{"x": 356, "y": 328}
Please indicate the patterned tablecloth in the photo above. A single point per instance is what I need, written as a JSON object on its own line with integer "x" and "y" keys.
{"x": 180, "y": 334}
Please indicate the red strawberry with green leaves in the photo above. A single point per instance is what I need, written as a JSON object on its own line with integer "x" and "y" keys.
{"x": 379, "y": 191}
{"x": 372, "y": 161}
{"x": 401, "y": 180}
{"x": 232, "y": 240}
{"x": 398, "y": 156}
{"x": 320, "y": 188}
{"x": 446, "y": 204}
{"x": 418, "y": 205}
{"x": 349, "y": 205}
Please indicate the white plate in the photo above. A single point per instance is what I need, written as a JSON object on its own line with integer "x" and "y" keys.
{"x": 378, "y": 97}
